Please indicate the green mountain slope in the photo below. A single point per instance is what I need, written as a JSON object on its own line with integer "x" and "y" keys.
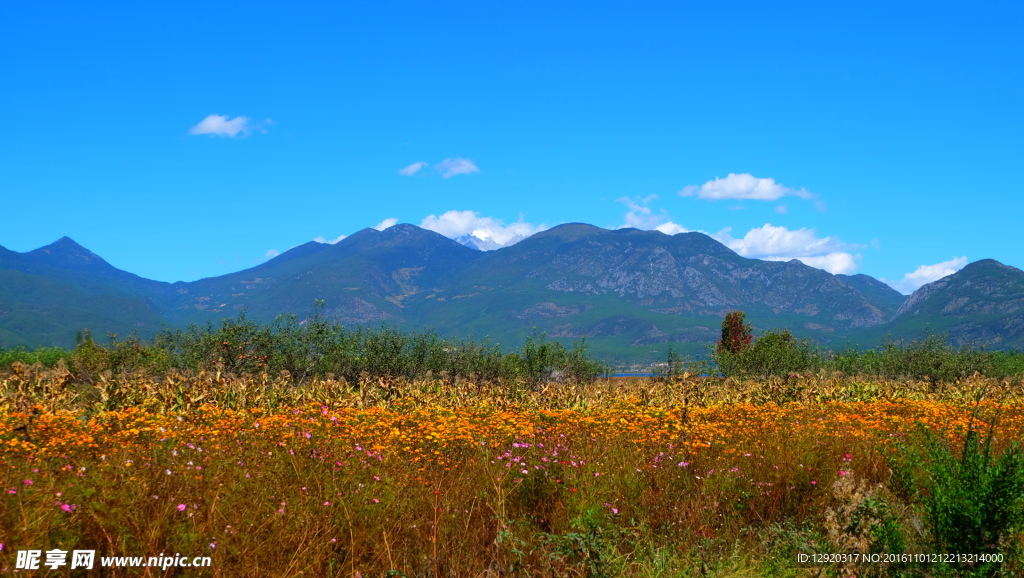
{"x": 364, "y": 279}
{"x": 38, "y": 311}
{"x": 630, "y": 292}
{"x": 638, "y": 288}
{"x": 983, "y": 303}
{"x": 67, "y": 262}
{"x": 887, "y": 299}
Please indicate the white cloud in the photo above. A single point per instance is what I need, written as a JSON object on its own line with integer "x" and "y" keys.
{"x": 456, "y": 166}
{"x": 389, "y": 222}
{"x": 745, "y": 186}
{"x": 217, "y": 125}
{"x": 484, "y": 233}
{"x": 271, "y": 254}
{"x": 641, "y": 216}
{"x": 671, "y": 228}
{"x": 412, "y": 169}
{"x": 781, "y": 244}
{"x": 769, "y": 240}
{"x": 835, "y": 263}
{"x": 926, "y": 274}
{"x": 322, "y": 239}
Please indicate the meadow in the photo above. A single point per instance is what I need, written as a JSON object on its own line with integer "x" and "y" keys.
{"x": 464, "y": 476}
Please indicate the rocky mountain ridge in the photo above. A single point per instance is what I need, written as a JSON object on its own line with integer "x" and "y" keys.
{"x": 621, "y": 289}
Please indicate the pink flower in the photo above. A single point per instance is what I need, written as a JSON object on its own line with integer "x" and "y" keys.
{"x": 181, "y": 507}
{"x": 28, "y": 482}
{"x": 813, "y": 483}
{"x": 842, "y": 473}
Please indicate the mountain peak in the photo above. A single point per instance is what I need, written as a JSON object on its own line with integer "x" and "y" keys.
{"x": 403, "y": 228}
{"x": 66, "y": 252}
{"x": 570, "y": 231}
{"x": 977, "y": 288}
{"x": 987, "y": 266}
{"x": 65, "y": 242}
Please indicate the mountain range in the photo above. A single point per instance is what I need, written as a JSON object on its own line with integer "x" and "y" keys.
{"x": 630, "y": 292}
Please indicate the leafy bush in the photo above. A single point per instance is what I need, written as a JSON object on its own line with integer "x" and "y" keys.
{"x": 928, "y": 358}
{"x": 317, "y": 347}
{"x": 972, "y": 501}
{"x": 593, "y": 545}
{"x": 47, "y": 356}
{"x": 774, "y": 354}
{"x": 540, "y": 360}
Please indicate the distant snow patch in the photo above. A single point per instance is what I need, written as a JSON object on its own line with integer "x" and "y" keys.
{"x": 483, "y": 233}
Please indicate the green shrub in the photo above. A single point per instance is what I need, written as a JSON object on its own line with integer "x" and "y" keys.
{"x": 317, "y": 347}
{"x": 973, "y": 501}
{"x": 774, "y": 354}
{"x": 46, "y": 356}
{"x": 928, "y": 358}
{"x": 540, "y": 360}
{"x": 592, "y": 547}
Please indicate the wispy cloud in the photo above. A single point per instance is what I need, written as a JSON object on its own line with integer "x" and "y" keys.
{"x": 456, "y": 166}
{"x": 926, "y": 274}
{"x": 835, "y": 263}
{"x": 745, "y": 186}
{"x": 389, "y": 222}
{"x": 486, "y": 232}
{"x": 412, "y": 169}
{"x": 781, "y": 244}
{"x": 322, "y": 239}
{"x": 671, "y": 228}
{"x": 271, "y": 254}
{"x": 217, "y": 125}
{"x": 641, "y": 216}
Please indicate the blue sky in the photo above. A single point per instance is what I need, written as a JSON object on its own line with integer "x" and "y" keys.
{"x": 187, "y": 140}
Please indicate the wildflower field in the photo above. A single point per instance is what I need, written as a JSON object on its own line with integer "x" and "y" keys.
{"x": 674, "y": 477}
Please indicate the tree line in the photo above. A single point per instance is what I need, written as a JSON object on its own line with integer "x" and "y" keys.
{"x": 318, "y": 347}
{"x": 777, "y": 353}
